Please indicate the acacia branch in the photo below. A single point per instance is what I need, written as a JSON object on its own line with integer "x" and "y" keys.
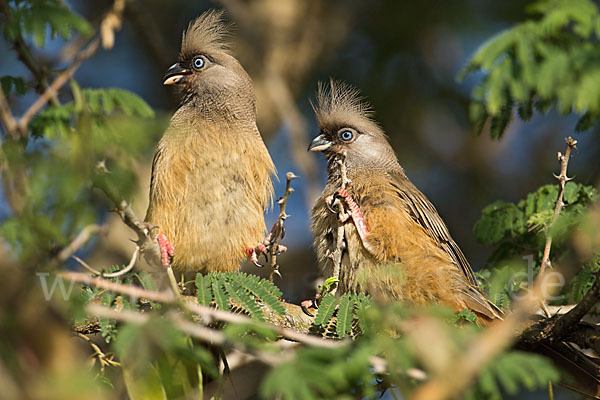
{"x": 110, "y": 22}
{"x": 58, "y": 83}
{"x": 562, "y": 181}
{"x": 562, "y": 326}
{"x": 278, "y": 230}
{"x": 293, "y": 325}
{"x": 339, "y": 237}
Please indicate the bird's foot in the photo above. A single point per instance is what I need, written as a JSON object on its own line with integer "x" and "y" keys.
{"x": 262, "y": 249}
{"x": 353, "y": 212}
{"x": 312, "y": 303}
{"x": 167, "y": 251}
{"x": 255, "y": 252}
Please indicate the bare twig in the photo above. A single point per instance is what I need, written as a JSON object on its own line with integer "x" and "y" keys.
{"x": 129, "y": 266}
{"x": 86, "y": 265}
{"x": 115, "y": 274}
{"x": 58, "y": 83}
{"x": 278, "y": 230}
{"x": 102, "y": 358}
{"x": 81, "y": 239}
{"x": 562, "y": 181}
{"x": 133, "y": 291}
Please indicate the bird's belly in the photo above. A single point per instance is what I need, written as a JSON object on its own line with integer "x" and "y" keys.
{"x": 216, "y": 217}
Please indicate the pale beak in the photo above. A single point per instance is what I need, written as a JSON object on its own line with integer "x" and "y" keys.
{"x": 320, "y": 143}
{"x": 175, "y": 74}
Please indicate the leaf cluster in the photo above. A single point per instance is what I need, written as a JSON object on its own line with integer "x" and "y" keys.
{"x": 553, "y": 61}
{"x": 239, "y": 291}
{"x": 341, "y": 316}
{"x": 38, "y": 17}
{"x": 518, "y": 233}
{"x": 520, "y": 228}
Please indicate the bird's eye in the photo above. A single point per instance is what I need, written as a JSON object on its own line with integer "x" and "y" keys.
{"x": 198, "y": 62}
{"x": 346, "y": 135}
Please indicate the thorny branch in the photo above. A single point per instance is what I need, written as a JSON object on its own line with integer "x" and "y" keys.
{"x": 503, "y": 333}
{"x": 338, "y": 207}
{"x": 562, "y": 181}
{"x": 278, "y": 231}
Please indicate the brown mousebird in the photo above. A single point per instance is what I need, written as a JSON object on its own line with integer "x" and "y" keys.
{"x": 396, "y": 245}
{"x": 211, "y": 173}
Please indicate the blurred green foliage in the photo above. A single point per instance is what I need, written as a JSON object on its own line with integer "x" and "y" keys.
{"x": 539, "y": 64}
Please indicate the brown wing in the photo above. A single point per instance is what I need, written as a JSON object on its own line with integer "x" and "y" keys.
{"x": 425, "y": 214}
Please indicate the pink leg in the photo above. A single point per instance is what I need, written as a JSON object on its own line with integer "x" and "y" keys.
{"x": 166, "y": 249}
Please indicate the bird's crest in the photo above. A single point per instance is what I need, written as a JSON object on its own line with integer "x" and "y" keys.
{"x": 209, "y": 32}
{"x": 342, "y": 104}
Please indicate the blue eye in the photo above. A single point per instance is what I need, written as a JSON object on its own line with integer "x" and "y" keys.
{"x": 346, "y": 135}
{"x": 198, "y": 62}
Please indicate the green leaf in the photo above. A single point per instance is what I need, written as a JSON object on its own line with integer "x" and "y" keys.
{"x": 328, "y": 283}
{"x": 343, "y": 323}
{"x": 326, "y": 310}
{"x": 545, "y": 62}
{"x": 203, "y": 289}
{"x": 241, "y": 296}
{"x": 466, "y": 315}
{"x": 362, "y": 304}
{"x": 219, "y": 292}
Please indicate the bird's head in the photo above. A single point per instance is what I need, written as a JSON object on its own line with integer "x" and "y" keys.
{"x": 345, "y": 126}
{"x": 206, "y": 73}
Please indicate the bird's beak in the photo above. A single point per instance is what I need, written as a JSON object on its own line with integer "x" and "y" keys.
{"x": 320, "y": 143}
{"x": 175, "y": 74}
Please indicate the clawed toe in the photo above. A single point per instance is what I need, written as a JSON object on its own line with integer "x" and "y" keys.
{"x": 167, "y": 251}
{"x": 257, "y": 251}
{"x": 306, "y": 304}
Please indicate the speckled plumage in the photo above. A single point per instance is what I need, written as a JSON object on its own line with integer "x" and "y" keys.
{"x": 211, "y": 174}
{"x": 414, "y": 258}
